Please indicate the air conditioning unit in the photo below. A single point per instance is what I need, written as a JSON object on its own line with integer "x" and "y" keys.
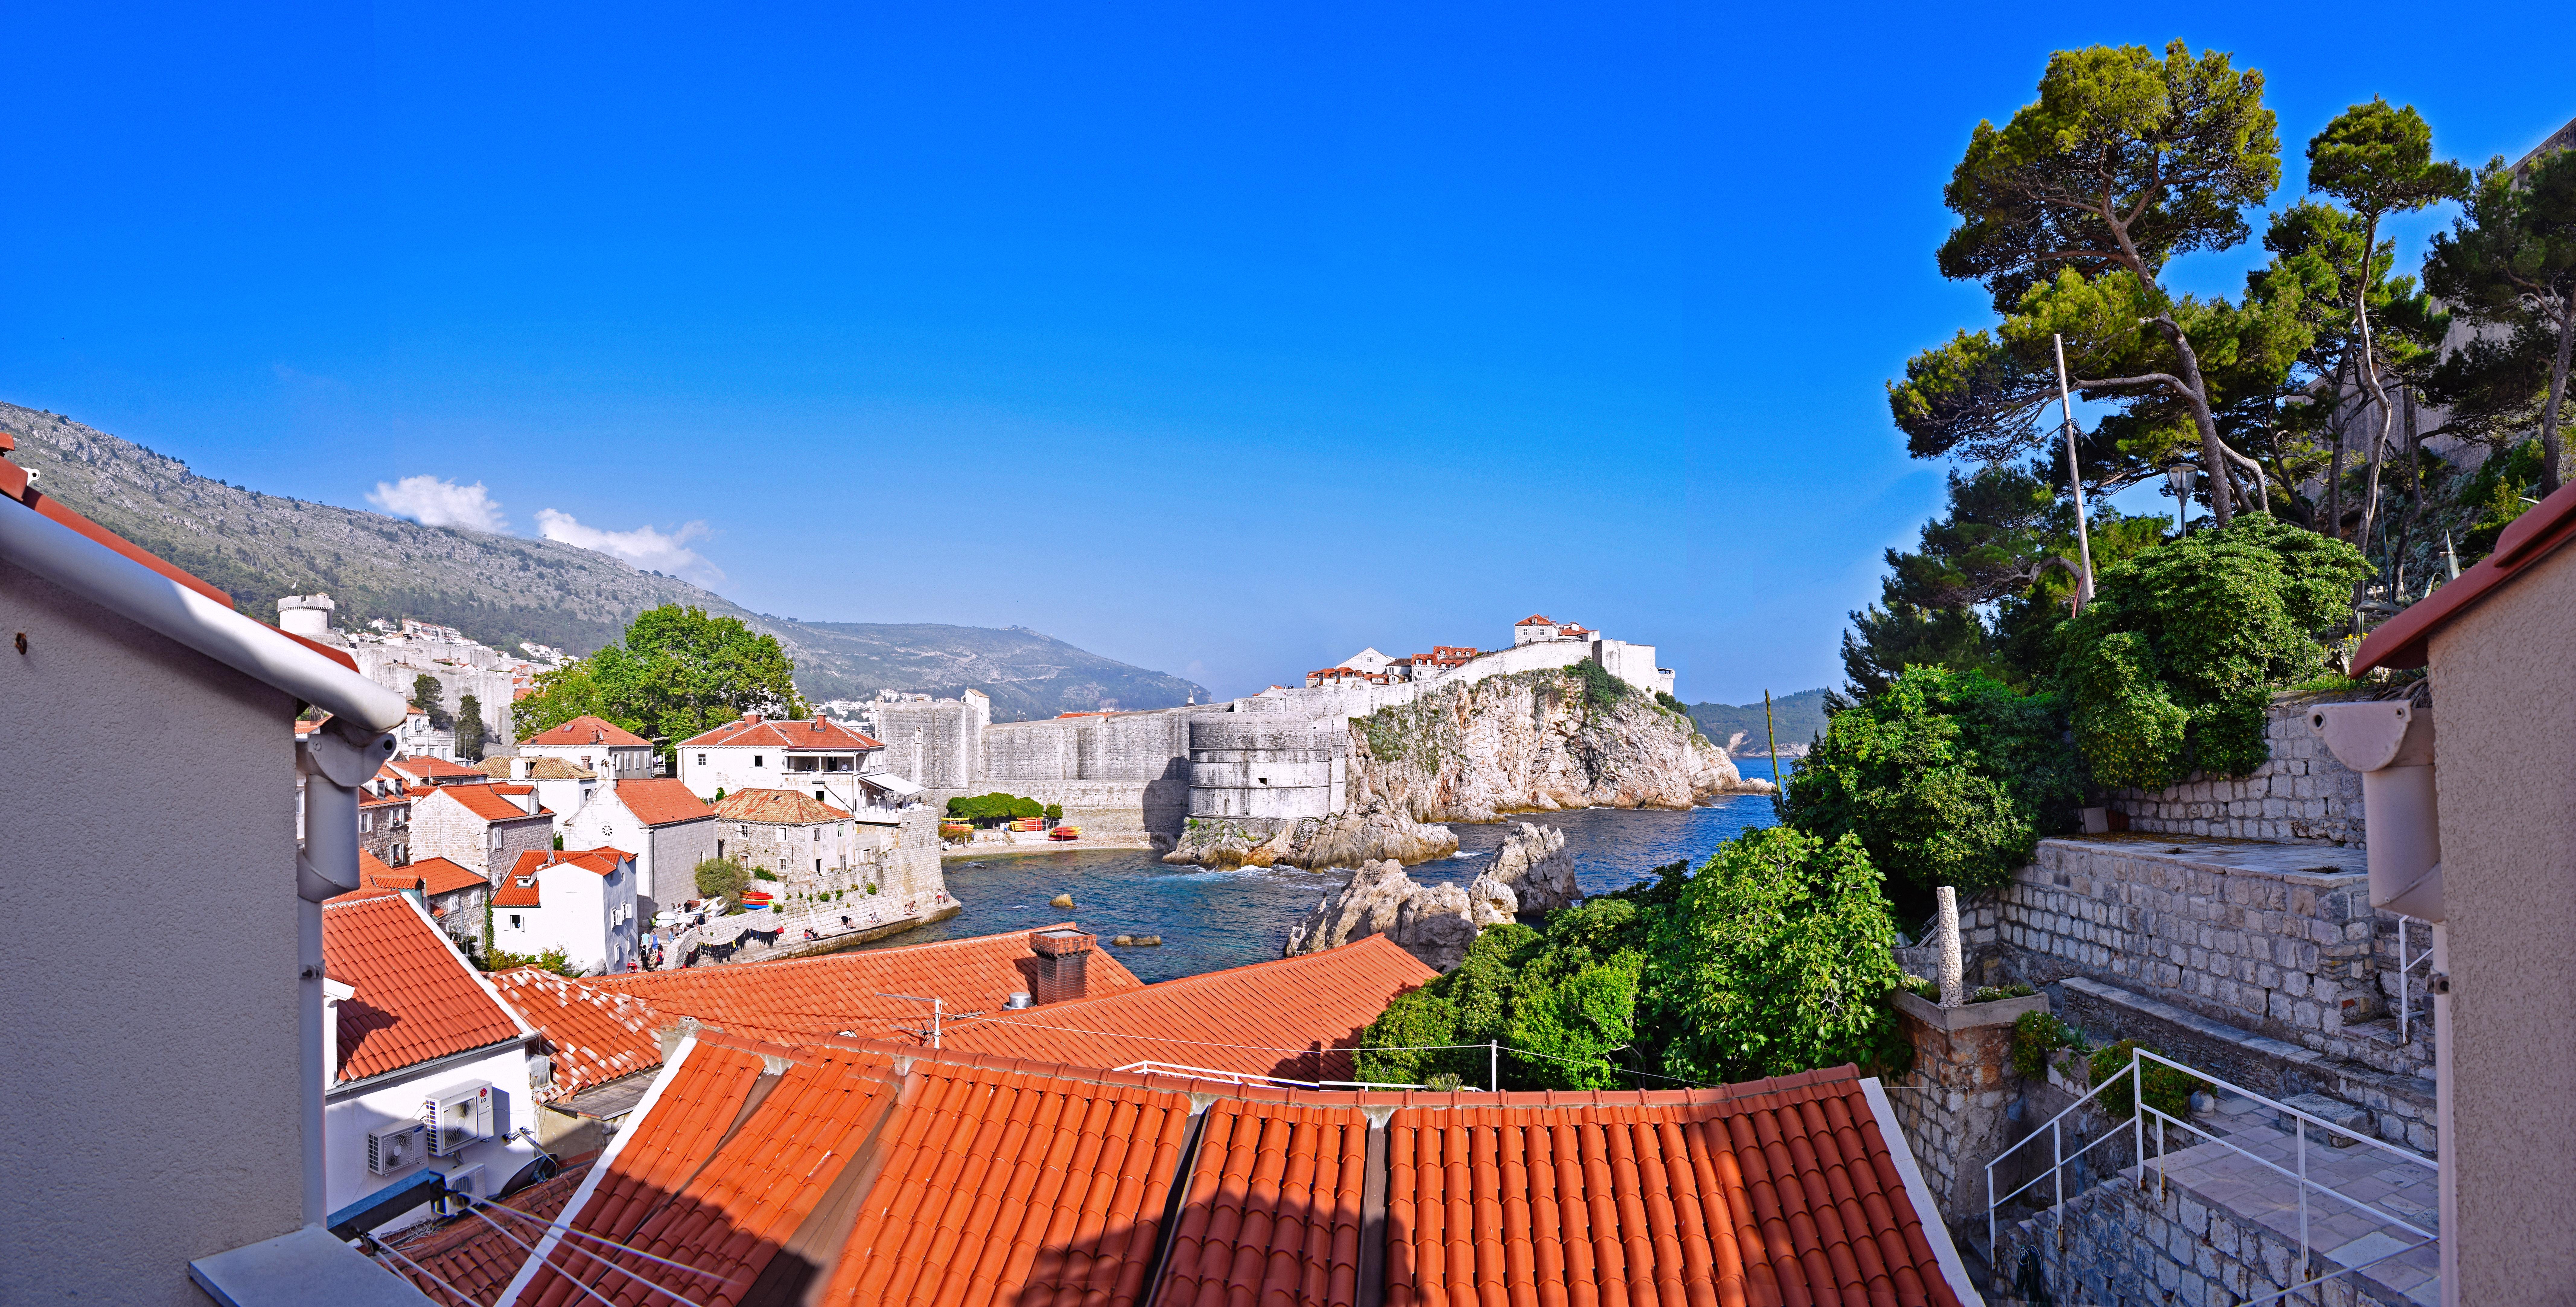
{"x": 393, "y": 1148}
{"x": 472, "y": 1182}
{"x": 459, "y": 1118}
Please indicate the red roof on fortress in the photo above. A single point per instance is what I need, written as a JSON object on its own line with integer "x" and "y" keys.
{"x": 588, "y": 730}
{"x": 890, "y": 1174}
{"x": 416, "y": 998}
{"x": 1536, "y": 619}
{"x": 812, "y": 733}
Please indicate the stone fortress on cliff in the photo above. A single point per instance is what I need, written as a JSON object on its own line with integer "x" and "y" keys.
{"x": 1136, "y": 779}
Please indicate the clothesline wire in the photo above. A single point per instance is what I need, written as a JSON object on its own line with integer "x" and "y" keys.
{"x": 432, "y": 1276}
{"x": 1382, "y": 1048}
{"x": 601, "y": 1239}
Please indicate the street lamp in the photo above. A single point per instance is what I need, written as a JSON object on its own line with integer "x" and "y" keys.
{"x": 2179, "y": 476}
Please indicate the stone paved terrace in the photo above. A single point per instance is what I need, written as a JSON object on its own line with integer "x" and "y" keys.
{"x": 2223, "y": 1227}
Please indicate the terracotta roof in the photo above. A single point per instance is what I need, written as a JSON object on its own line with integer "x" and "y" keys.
{"x": 487, "y": 803}
{"x": 417, "y": 999}
{"x": 587, "y": 729}
{"x": 1273, "y": 1207}
{"x": 1280, "y": 1009}
{"x": 992, "y": 1181}
{"x": 432, "y": 770}
{"x": 366, "y": 800}
{"x": 467, "y": 1253}
{"x": 660, "y": 802}
{"x": 594, "y": 1035}
{"x": 721, "y": 1173}
{"x": 778, "y": 808}
{"x": 840, "y": 991}
{"x": 1775, "y": 1191}
{"x": 539, "y": 769}
{"x": 810, "y": 733}
{"x": 1535, "y": 619}
{"x": 2403, "y": 640}
{"x": 444, "y": 877}
{"x": 599, "y": 861}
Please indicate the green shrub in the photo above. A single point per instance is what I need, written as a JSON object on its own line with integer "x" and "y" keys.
{"x": 1945, "y": 777}
{"x": 2035, "y": 1036}
{"x": 1054, "y": 812}
{"x": 872, "y": 887}
{"x": 763, "y": 873}
{"x": 2166, "y": 1090}
{"x": 1601, "y": 690}
{"x": 996, "y": 806}
{"x": 2170, "y": 669}
{"x": 1921, "y": 987}
{"x": 721, "y": 878}
{"x": 1998, "y": 993}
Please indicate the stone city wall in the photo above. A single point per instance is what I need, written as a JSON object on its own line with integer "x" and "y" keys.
{"x": 2301, "y": 793}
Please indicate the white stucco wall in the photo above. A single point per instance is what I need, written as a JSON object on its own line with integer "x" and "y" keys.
{"x": 347, "y": 1116}
{"x": 666, "y": 856}
{"x": 116, "y": 1043}
{"x": 591, "y": 917}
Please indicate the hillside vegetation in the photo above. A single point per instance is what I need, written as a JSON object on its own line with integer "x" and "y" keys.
{"x": 505, "y": 589}
{"x": 1800, "y": 719}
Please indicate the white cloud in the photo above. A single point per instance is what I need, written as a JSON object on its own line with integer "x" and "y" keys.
{"x": 643, "y": 547}
{"x": 432, "y": 502}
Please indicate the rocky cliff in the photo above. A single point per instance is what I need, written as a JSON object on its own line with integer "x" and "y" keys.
{"x": 1436, "y": 923}
{"x": 1535, "y": 742}
{"x": 1345, "y": 839}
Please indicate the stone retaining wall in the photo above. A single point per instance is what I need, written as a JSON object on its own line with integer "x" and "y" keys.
{"x": 1954, "y": 1103}
{"x": 2123, "y": 1244}
{"x": 2300, "y": 793}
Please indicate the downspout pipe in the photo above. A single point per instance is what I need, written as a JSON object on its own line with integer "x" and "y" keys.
{"x": 2390, "y": 742}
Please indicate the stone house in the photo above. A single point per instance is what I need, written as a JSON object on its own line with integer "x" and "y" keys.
{"x": 432, "y": 771}
{"x": 561, "y": 787}
{"x": 809, "y": 846}
{"x": 818, "y": 756}
{"x": 215, "y": 992}
{"x": 384, "y": 827}
{"x": 485, "y": 827}
{"x": 595, "y": 745}
{"x": 454, "y": 895}
{"x": 668, "y": 829}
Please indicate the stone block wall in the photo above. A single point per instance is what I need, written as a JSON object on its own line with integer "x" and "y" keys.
{"x": 2300, "y": 793}
{"x": 1954, "y": 1105}
{"x": 2119, "y": 1243}
{"x": 2280, "y": 952}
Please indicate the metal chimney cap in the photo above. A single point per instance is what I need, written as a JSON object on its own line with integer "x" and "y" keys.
{"x": 1019, "y": 999}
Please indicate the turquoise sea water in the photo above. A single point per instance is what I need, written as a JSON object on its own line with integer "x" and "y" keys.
{"x": 1215, "y": 919}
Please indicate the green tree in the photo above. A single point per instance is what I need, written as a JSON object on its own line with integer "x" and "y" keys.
{"x": 2509, "y": 262}
{"x": 722, "y": 878}
{"x": 469, "y": 728}
{"x": 1775, "y": 959}
{"x": 2378, "y": 161}
{"x": 430, "y": 697}
{"x": 2068, "y": 216}
{"x": 677, "y": 673}
{"x": 993, "y": 807}
{"x": 1945, "y": 778}
{"x": 2170, "y": 669}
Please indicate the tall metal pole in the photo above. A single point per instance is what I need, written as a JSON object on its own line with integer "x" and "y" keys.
{"x": 1772, "y": 733}
{"x": 1494, "y": 1064}
{"x": 2074, "y": 476}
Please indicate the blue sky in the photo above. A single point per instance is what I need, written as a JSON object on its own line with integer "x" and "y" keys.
{"x": 1217, "y": 339}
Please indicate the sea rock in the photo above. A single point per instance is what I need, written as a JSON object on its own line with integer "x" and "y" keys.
{"x": 1435, "y": 923}
{"x": 1345, "y": 839}
{"x": 1060, "y": 901}
{"x": 1534, "y": 742}
{"x": 1533, "y": 863}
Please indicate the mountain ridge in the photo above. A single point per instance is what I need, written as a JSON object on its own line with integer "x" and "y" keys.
{"x": 503, "y": 589}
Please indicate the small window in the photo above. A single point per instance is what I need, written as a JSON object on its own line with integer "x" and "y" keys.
{"x": 755, "y": 760}
{"x": 514, "y": 921}
{"x": 702, "y": 760}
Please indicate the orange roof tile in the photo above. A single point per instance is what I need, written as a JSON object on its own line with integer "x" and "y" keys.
{"x": 519, "y": 890}
{"x": 595, "y": 1035}
{"x": 1280, "y": 1018}
{"x": 778, "y": 807}
{"x": 467, "y": 1253}
{"x": 484, "y": 803}
{"x": 721, "y": 1173}
{"x": 1775, "y": 1191}
{"x": 840, "y": 991}
{"x": 1273, "y": 1207}
{"x": 599, "y": 861}
{"x": 443, "y": 876}
{"x": 1535, "y": 619}
{"x": 587, "y": 729}
{"x": 432, "y": 769}
{"x": 811, "y": 733}
{"x": 416, "y": 998}
{"x": 661, "y": 801}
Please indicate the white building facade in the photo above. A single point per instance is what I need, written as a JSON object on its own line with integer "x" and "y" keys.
{"x": 815, "y": 756}
{"x": 581, "y": 902}
{"x": 667, "y": 829}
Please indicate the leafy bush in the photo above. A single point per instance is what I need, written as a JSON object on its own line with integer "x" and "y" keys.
{"x": 1945, "y": 777}
{"x": 555, "y": 960}
{"x": 2166, "y": 1090}
{"x": 2035, "y": 1036}
{"x": 1922, "y": 988}
{"x": 2171, "y": 667}
{"x": 1054, "y": 812}
{"x": 1774, "y": 958}
{"x": 721, "y": 878}
{"x": 1998, "y": 993}
{"x": 1601, "y": 690}
{"x": 994, "y": 807}
{"x": 763, "y": 873}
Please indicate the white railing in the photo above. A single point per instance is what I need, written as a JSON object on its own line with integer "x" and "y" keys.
{"x": 2405, "y": 978}
{"x": 1255, "y": 1078}
{"x": 2140, "y": 1110}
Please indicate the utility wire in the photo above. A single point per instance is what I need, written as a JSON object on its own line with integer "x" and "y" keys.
{"x": 425, "y": 1273}
{"x": 561, "y": 1228}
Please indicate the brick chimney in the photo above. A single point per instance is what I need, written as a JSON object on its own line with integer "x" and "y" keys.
{"x": 1064, "y": 965}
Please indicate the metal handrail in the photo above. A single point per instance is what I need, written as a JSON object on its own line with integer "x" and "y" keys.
{"x": 2405, "y": 983}
{"x": 2140, "y": 1110}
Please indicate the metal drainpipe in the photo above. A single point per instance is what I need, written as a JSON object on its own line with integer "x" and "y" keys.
{"x": 334, "y": 762}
